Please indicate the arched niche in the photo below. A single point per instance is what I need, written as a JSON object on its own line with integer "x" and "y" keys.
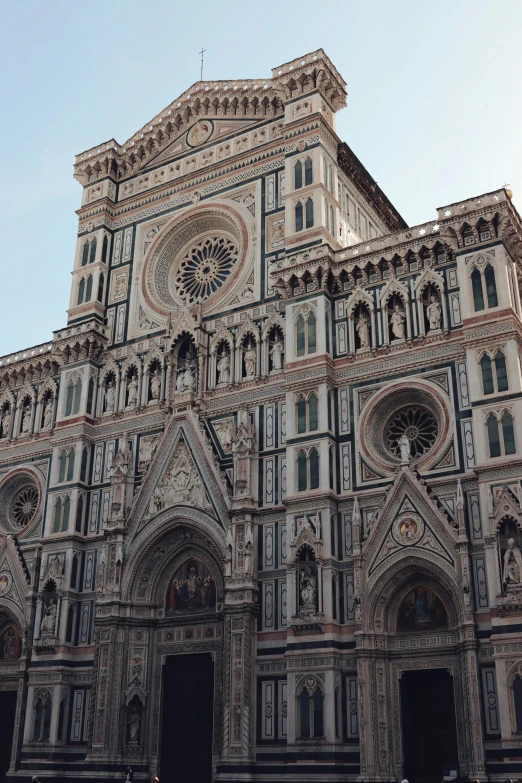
{"x": 421, "y": 609}
{"x": 192, "y": 589}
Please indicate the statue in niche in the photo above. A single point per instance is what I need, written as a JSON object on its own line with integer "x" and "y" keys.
{"x": 512, "y": 564}
{"x": 308, "y": 588}
{"x": 404, "y": 446}
{"x": 276, "y": 353}
{"x": 250, "y": 360}
{"x": 223, "y": 368}
{"x": 26, "y": 420}
{"x": 5, "y": 423}
{"x": 48, "y": 625}
{"x": 155, "y": 385}
{"x": 362, "y": 325}
{"x": 133, "y": 722}
{"x": 132, "y": 392}
{"x": 434, "y": 313}
{"x": 249, "y": 551}
{"x": 185, "y": 380}
{"x": 47, "y": 415}
{"x": 110, "y": 397}
{"x": 397, "y": 322}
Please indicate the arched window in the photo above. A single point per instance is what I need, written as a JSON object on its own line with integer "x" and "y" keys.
{"x": 331, "y": 467}
{"x": 300, "y": 336}
{"x": 327, "y": 322}
{"x": 83, "y": 466}
{"x": 308, "y": 171}
{"x": 66, "y": 512}
{"x": 81, "y": 291}
{"x": 90, "y": 395}
{"x": 487, "y": 375}
{"x": 69, "y": 399}
{"x": 501, "y": 372}
{"x": 62, "y": 466}
{"x": 484, "y": 231}
{"x": 77, "y": 395}
{"x": 330, "y": 410}
{"x": 314, "y": 469}
{"x": 491, "y": 287}
{"x": 326, "y": 216}
{"x": 57, "y": 516}
{"x": 493, "y": 436}
{"x": 311, "y": 333}
{"x": 79, "y": 515}
{"x": 334, "y": 598}
{"x": 517, "y": 698}
{"x": 325, "y": 173}
{"x": 298, "y": 175}
{"x": 93, "y": 251}
{"x": 88, "y": 292}
{"x": 70, "y": 465}
{"x": 478, "y": 295}
{"x": 313, "y": 419}
{"x": 74, "y": 572}
{"x": 467, "y": 236}
{"x": 100, "y": 287}
{"x": 105, "y": 247}
{"x": 508, "y": 433}
{"x": 61, "y": 721}
{"x": 42, "y": 717}
{"x": 298, "y": 216}
{"x": 301, "y": 415}
{"x": 301, "y": 471}
{"x": 311, "y": 721}
{"x": 85, "y": 254}
{"x": 69, "y": 631}
{"x": 304, "y": 714}
{"x": 309, "y": 208}
{"x": 330, "y": 179}
{"x": 332, "y": 222}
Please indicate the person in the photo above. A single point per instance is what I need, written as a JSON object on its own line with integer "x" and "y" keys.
{"x": 129, "y": 774}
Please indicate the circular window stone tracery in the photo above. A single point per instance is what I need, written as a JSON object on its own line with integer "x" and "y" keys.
{"x": 205, "y": 268}
{"x": 20, "y": 502}
{"x": 24, "y": 506}
{"x": 418, "y": 424}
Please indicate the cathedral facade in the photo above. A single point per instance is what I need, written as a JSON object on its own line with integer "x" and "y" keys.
{"x": 260, "y": 498}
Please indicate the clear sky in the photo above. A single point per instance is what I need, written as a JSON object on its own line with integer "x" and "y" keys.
{"x": 434, "y": 106}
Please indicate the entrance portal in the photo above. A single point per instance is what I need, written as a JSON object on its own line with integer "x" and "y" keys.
{"x": 188, "y": 715}
{"x": 429, "y": 733}
{"x": 7, "y": 721}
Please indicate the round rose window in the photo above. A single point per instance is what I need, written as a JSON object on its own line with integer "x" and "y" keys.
{"x": 418, "y": 424}
{"x": 205, "y": 268}
{"x": 24, "y": 506}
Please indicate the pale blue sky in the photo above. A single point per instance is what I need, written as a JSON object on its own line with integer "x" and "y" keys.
{"x": 434, "y": 106}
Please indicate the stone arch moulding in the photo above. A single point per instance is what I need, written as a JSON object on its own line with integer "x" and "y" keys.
{"x": 392, "y": 398}
{"x": 160, "y": 294}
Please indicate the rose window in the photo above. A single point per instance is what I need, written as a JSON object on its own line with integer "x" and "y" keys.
{"x": 205, "y": 268}
{"x": 25, "y": 506}
{"x": 418, "y": 424}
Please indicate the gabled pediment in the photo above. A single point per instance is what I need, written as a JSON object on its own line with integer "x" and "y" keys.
{"x": 13, "y": 578}
{"x": 181, "y": 473}
{"x": 408, "y": 520}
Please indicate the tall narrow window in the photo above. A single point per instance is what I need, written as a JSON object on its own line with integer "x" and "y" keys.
{"x": 81, "y": 291}
{"x": 61, "y": 721}
{"x": 331, "y": 468}
{"x": 69, "y": 399}
{"x": 501, "y": 372}
{"x": 105, "y": 247}
{"x": 70, "y": 465}
{"x": 300, "y": 336}
{"x": 330, "y": 411}
{"x": 330, "y": 179}
{"x": 326, "y": 216}
{"x": 487, "y": 375}
{"x": 491, "y": 287}
{"x": 42, "y": 719}
{"x": 517, "y": 697}
{"x": 301, "y": 415}
{"x": 79, "y": 515}
{"x": 327, "y": 320}
{"x": 311, "y": 333}
{"x": 83, "y": 467}
{"x": 90, "y": 395}
{"x": 493, "y": 436}
{"x": 77, "y": 395}
{"x": 66, "y": 512}
{"x": 88, "y": 291}
{"x": 312, "y": 413}
{"x": 93, "y": 251}
{"x": 309, "y": 209}
{"x": 318, "y": 713}
{"x": 508, "y": 433}
{"x": 85, "y": 254}
{"x": 314, "y": 469}
{"x": 62, "y": 466}
{"x": 74, "y": 572}
{"x": 332, "y": 223}
{"x": 308, "y": 171}
{"x": 57, "y": 516}
{"x": 298, "y": 216}
{"x": 325, "y": 173}
{"x": 70, "y": 624}
{"x": 301, "y": 472}
{"x": 100, "y": 288}
{"x": 304, "y": 713}
{"x": 478, "y": 294}
{"x": 298, "y": 175}
{"x": 334, "y": 611}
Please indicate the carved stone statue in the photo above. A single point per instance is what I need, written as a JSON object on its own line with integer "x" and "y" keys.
{"x": 26, "y": 420}
{"x": 434, "y": 313}
{"x": 308, "y": 588}
{"x": 155, "y": 385}
{"x": 185, "y": 380}
{"x": 276, "y": 354}
{"x": 133, "y": 724}
{"x": 48, "y": 625}
{"x": 397, "y": 323}
{"x": 5, "y": 424}
{"x": 132, "y": 389}
{"x": 249, "y": 551}
{"x": 223, "y": 368}
{"x": 512, "y": 564}
{"x": 110, "y": 397}
{"x": 250, "y": 360}
{"x": 404, "y": 445}
{"x": 363, "y": 330}
{"x": 47, "y": 415}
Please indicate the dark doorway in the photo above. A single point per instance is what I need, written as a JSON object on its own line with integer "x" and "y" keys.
{"x": 429, "y": 733}
{"x": 188, "y": 716}
{"x": 7, "y": 720}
